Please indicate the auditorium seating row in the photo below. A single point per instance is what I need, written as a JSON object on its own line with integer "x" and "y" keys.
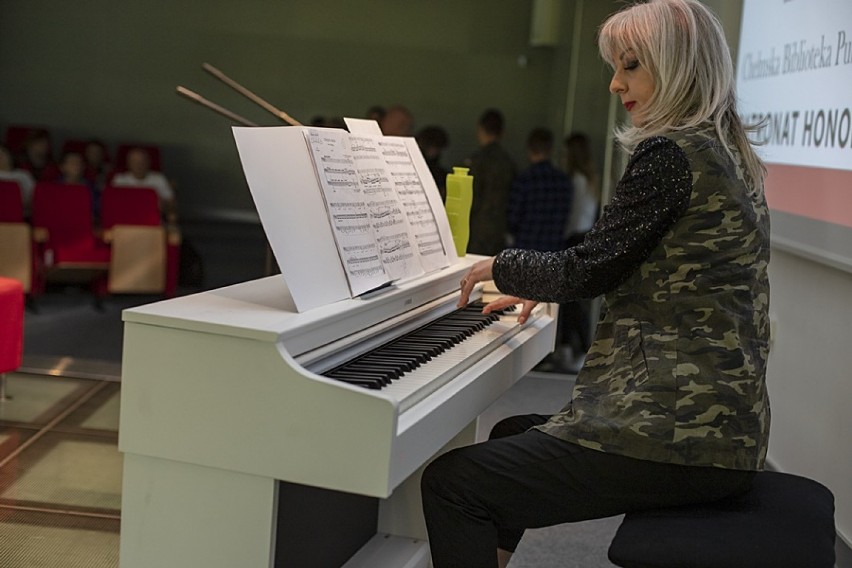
{"x": 16, "y": 135}
{"x": 77, "y": 145}
{"x": 133, "y": 252}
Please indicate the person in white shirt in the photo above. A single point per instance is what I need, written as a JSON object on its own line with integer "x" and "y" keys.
{"x": 140, "y": 174}
{"x": 584, "y": 209}
{"x": 24, "y": 179}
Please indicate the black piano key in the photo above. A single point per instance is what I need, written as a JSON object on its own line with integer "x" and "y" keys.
{"x": 465, "y": 325}
{"x": 487, "y": 318}
{"x": 431, "y": 351}
{"x": 343, "y": 374}
{"x": 385, "y": 371}
{"x": 373, "y": 372}
{"x": 417, "y": 354}
{"x": 423, "y": 342}
{"x": 420, "y": 339}
{"x": 404, "y": 363}
{"x": 359, "y": 381}
{"x": 433, "y": 338}
{"x": 453, "y": 330}
{"x": 453, "y": 336}
{"x": 450, "y": 335}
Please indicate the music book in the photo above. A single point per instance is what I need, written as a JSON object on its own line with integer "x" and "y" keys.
{"x": 345, "y": 213}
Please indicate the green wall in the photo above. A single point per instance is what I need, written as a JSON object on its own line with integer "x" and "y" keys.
{"x": 109, "y": 69}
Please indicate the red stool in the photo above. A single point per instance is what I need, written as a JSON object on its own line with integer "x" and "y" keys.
{"x": 11, "y": 329}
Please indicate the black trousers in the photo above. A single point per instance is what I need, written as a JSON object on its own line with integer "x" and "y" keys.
{"x": 481, "y": 497}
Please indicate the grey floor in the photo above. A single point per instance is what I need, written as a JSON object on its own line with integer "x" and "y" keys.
{"x": 68, "y": 333}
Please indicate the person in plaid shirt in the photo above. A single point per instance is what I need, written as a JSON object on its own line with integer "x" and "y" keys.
{"x": 540, "y": 200}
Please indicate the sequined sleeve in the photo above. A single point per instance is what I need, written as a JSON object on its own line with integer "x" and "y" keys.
{"x": 650, "y": 197}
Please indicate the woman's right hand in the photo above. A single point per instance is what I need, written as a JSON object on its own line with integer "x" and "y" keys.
{"x": 478, "y": 272}
{"x": 506, "y": 301}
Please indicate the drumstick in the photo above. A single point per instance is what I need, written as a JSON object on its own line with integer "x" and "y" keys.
{"x": 251, "y": 96}
{"x": 213, "y": 106}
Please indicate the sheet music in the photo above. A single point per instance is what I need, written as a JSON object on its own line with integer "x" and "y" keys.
{"x": 390, "y": 222}
{"x": 368, "y": 221}
{"x": 409, "y": 188}
{"x": 347, "y": 209}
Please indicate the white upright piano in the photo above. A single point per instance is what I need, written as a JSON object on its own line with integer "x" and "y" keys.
{"x": 240, "y": 452}
{"x": 284, "y": 422}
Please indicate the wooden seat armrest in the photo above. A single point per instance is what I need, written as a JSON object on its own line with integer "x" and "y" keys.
{"x": 173, "y": 235}
{"x": 41, "y": 234}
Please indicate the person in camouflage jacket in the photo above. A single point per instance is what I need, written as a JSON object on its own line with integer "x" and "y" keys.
{"x": 676, "y": 372}
{"x": 670, "y": 407}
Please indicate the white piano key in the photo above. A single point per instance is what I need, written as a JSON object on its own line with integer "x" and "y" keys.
{"x": 415, "y": 385}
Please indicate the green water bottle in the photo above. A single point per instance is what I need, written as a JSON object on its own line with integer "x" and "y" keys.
{"x": 459, "y": 200}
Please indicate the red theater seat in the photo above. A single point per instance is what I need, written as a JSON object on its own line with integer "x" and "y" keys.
{"x": 11, "y": 329}
{"x": 11, "y": 202}
{"x": 15, "y": 236}
{"x": 130, "y": 217}
{"x": 62, "y": 225}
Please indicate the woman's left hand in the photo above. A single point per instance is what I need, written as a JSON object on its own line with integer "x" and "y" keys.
{"x": 478, "y": 272}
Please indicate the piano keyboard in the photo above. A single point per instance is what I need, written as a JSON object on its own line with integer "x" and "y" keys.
{"x": 411, "y": 367}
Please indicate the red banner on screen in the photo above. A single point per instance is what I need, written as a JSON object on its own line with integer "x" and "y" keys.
{"x": 816, "y": 193}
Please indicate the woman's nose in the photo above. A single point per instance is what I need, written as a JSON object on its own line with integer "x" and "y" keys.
{"x": 616, "y": 85}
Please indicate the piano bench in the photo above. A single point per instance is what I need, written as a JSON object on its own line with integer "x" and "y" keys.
{"x": 784, "y": 520}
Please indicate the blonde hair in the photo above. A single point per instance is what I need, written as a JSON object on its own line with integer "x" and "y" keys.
{"x": 682, "y": 45}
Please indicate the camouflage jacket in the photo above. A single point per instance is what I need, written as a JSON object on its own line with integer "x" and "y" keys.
{"x": 676, "y": 372}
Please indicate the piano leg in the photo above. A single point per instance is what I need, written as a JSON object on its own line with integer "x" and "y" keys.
{"x": 402, "y": 513}
{"x": 187, "y": 516}
{"x": 179, "y": 514}
{"x": 401, "y": 541}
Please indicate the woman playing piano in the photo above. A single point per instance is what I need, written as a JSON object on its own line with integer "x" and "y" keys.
{"x": 670, "y": 407}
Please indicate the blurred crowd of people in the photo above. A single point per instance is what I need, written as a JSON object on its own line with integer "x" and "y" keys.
{"x": 544, "y": 206}
{"x": 87, "y": 163}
